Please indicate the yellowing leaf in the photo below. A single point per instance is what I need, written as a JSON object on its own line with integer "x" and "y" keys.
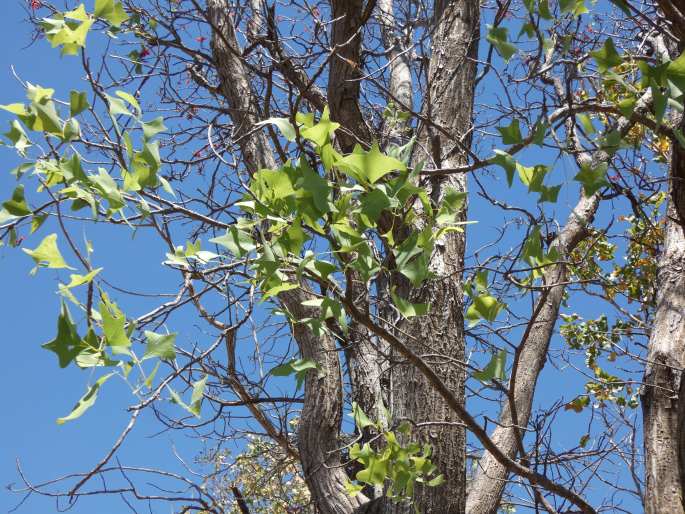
{"x": 47, "y": 254}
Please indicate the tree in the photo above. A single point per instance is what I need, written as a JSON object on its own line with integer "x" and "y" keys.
{"x": 328, "y": 154}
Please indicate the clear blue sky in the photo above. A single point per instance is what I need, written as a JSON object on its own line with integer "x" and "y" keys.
{"x": 37, "y": 391}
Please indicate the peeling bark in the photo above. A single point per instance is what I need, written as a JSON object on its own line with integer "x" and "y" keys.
{"x": 400, "y": 91}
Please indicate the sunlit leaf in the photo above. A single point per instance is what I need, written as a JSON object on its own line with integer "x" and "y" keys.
{"x": 160, "y": 345}
{"x": 499, "y": 38}
{"x": 47, "y": 254}
{"x": 495, "y": 369}
{"x": 86, "y": 401}
{"x": 17, "y": 204}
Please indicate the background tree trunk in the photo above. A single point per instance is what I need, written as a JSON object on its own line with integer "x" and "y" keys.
{"x": 663, "y": 398}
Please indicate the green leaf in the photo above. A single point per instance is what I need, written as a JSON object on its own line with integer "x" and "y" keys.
{"x": 627, "y": 106}
{"x": 545, "y": 13}
{"x": 528, "y": 29}
{"x": 607, "y": 57}
{"x": 507, "y": 162}
{"x": 438, "y": 480}
{"x": 280, "y": 288}
{"x": 321, "y": 133}
{"x": 407, "y": 309}
{"x": 592, "y": 179}
{"x": 150, "y": 378}
{"x": 79, "y": 280}
{"x": 271, "y": 185}
{"x": 578, "y": 404}
{"x": 361, "y": 420}
{"x": 375, "y": 473}
{"x": 47, "y": 254}
{"x": 416, "y": 270}
{"x": 373, "y": 203}
{"x": 71, "y": 130}
{"x": 495, "y": 369}
{"x": 198, "y": 395}
{"x": 237, "y": 241}
{"x": 577, "y": 7}
{"x": 86, "y": 401}
{"x": 117, "y": 106}
{"x": 77, "y": 14}
{"x": 48, "y": 117}
{"x": 675, "y": 72}
{"x": 484, "y": 307}
{"x": 314, "y": 186}
{"x": 586, "y": 123}
{"x": 549, "y": 193}
{"x": 192, "y": 409}
{"x": 17, "y": 205}
{"x": 160, "y": 345}
{"x": 532, "y": 177}
{"x": 18, "y": 137}
{"x": 299, "y": 367}
{"x": 67, "y": 344}
{"x": 111, "y": 11}
{"x": 78, "y": 102}
{"x": 283, "y": 125}
{"x": 5, "y": 217}
{"x": 353, "y": 489}
{"x": 109, "y": 189}
{"x": 539, "y": 132}
{"x": 16, "y": 108}
{"x": 154, "y": 127}
{"x": 114, "y": 326}
{"x": 369, "y": 167}
{"x": 499, "y": 38}
{"x": 70, "y": 35}
{"x": 37, "y": 221}
{"x": 452, "y": 202}
{"x": 511, "y": 135}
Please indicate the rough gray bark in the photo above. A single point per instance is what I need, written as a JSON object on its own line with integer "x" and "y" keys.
{"x": 449, "y": 106}
{"x": 663, "y": 397}
{"x": 318, "y": 432}
{"x": 345, "y": 70}
{"x": 235, "y": 88}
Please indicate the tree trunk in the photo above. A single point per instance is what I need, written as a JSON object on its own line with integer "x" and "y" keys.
{"x": 485, "y": 492}
{"x": 449, "y": 106}
{"x": 663, "y": 398}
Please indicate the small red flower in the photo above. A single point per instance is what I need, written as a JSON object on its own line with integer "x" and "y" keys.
{"x": 144, "y": 52}
{"x": 200, "y": 39}
{"x": 35, "y": 4}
